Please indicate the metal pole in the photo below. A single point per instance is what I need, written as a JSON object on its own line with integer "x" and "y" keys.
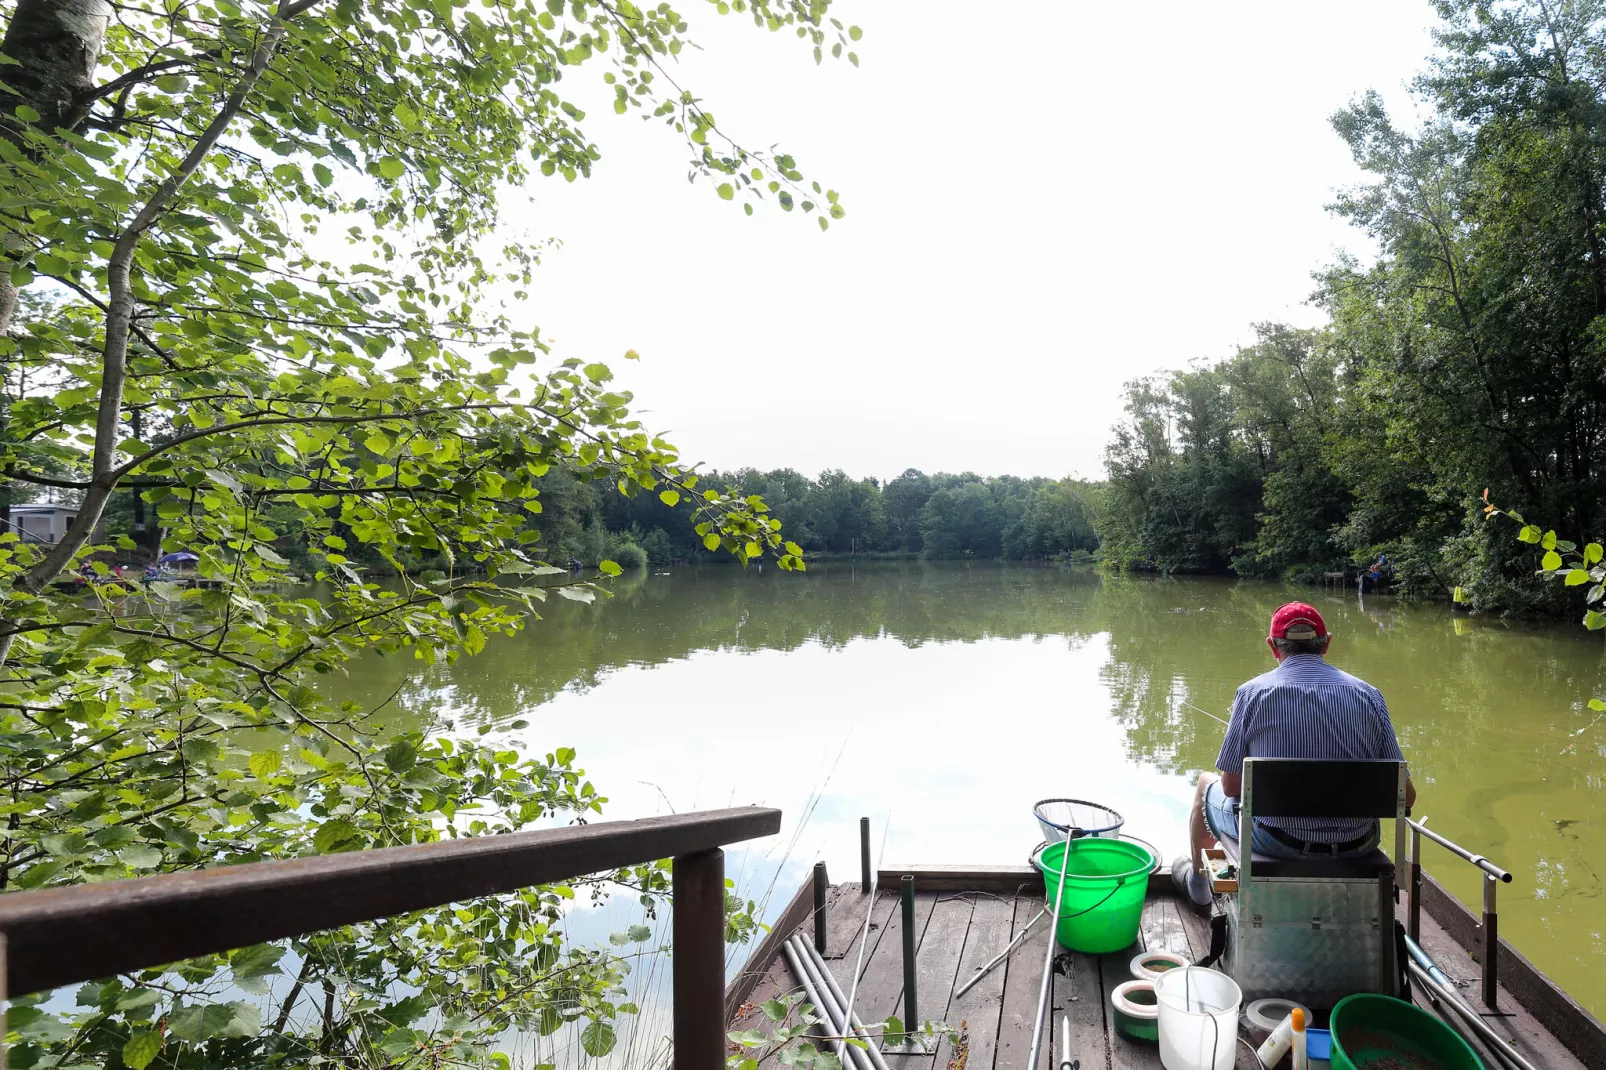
{"x": 911, "y": 1012}
{"x": 1415, "y": 924}
{"x": 819, "y": 906}
{"x": 823, "y": 974}
{"x": 698, "y": 977}
{"x": 1002, "y": 955}
{"x": 1479, "y": 1027}
{"x": 826, "y": 1006}
{"x": 1491, "y": 943}
{"x": 865, "y": 885}
{"x": 1048, "y": 959}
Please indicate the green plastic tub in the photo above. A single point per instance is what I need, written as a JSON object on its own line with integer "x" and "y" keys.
{"x": 1105, "y": 883}
{"x": 1378, "y": 1032}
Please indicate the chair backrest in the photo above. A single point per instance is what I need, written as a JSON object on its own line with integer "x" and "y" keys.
{"x": 1305, "y": 787}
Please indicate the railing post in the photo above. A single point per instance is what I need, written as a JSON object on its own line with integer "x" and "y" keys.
{"x": 698, "y": 955}
{"x": 911, "y": 1012}
{"x": 819, "y": 907}
{"x": 864, "y": 855}
{"x": 1491, "y": 943}
{"x": 1415, "y": 925}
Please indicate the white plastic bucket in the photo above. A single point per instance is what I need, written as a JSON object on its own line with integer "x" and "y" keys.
{"x": 1198, "y": 1019}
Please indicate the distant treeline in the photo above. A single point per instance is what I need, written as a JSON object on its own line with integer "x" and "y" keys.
{"x": 932, "y": 516}
{"x": 1472, "y": 354}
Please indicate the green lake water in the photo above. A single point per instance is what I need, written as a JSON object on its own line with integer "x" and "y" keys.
{"x": 943, "y": 700}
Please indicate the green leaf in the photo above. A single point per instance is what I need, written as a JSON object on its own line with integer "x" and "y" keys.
{"x": 1549, "y": 540}
{"x": 1598, "y": 705}
{"x": 141, "y": 1048}
{"x": 324, "y": 176}
{"x": 793, "y": 548}
{"x": 597, "y": 1039}
{"x": 609, "y": 568}
{"x": 140, "y": 856}
{"x": 1551, "y": 561}
{"x": 391, "y": 168}
{"x": 264, "y": 764}
{"x": 640, "y": 933}
{"x": 726, "y": 191}
{"x": 669, "y": 497}
{"x": 1594, "y": 621}
{"x": 401, "y": 756}
{"x": 199, "y": 750}
{"x": 711, "y": 541}
{"x": 854, "y": 33}
{"x": 1577, "y": 577}
{"x": 774, "y": 1010}
{"x": 25, "y": 113}
{"x": 337, "y": 835}
{"x": 1592, "y": 553}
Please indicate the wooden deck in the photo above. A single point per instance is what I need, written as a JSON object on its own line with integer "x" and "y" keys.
{"x": 960, "y": 929}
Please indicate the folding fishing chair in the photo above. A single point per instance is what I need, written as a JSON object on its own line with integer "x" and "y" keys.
{"x": 1317, "y": 929}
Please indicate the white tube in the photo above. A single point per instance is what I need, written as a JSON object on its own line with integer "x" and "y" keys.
{"x": 821, "y": 975}
{"x": 1276, "y": 1046}
{"x": 826, "y": 1006}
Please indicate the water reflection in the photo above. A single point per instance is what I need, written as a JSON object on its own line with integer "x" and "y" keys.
{"x": 949, "y": 699}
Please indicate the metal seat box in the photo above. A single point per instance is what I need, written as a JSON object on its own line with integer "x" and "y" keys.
{"x": 1315, "y": 930}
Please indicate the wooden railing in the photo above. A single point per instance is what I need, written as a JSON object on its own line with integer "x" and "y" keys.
{"x": 62, "y": 936}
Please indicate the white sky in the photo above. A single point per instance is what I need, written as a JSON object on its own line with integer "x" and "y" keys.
{"x": 1044, "y": 200}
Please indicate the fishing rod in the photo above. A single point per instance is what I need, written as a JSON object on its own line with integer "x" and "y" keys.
{"x": 1207, "y": 713}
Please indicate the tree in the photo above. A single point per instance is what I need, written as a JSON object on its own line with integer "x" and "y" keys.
{"x": 268, "y": 233}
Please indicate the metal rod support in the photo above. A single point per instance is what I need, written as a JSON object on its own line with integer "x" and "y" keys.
{"x": 1461, "y": 852}
{"x": 866, "y": 881}
{"x": 1048, "y": 960}
{"x": 911, "y": 1011}
{"x": 698, "y": 978}
{"x": 823, "y": 974}
{"x": 1490, "y": 966}
{"x": 1414, "y": 926}
{"x": 819, "y": 906}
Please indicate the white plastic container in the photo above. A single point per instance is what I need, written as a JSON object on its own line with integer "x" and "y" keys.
{"x": 1198, "y": 1019}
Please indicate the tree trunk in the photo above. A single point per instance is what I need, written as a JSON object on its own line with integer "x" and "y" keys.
{"x": 56, "y": 44}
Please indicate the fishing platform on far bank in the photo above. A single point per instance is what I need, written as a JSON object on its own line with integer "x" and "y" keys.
{"x": 966, "y": 916}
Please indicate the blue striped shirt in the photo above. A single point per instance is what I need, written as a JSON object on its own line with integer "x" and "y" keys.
{"x": 1306, "y": 708}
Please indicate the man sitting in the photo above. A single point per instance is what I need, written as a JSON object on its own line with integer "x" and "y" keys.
{"x": 1304, "y": 708}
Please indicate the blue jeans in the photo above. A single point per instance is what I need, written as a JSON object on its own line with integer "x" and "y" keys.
{"x": 1221, "y": 815}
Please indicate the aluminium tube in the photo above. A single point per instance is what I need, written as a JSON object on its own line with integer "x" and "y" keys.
{"x": 1048, "y": 959}
{"x": 823, "y": 972}
{"x": 821, "y": 975}
{"x": 1461, "y": 852}
{"x": 1448, "y": 996}
{"x": 1002, "y": 955}
{"x": 825, "y": 1006}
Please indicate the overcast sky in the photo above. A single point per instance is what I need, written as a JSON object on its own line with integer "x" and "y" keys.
{"x": 1044, "y": 201}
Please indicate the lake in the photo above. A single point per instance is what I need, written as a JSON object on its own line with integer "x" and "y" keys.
{"x": 944, "y": 700}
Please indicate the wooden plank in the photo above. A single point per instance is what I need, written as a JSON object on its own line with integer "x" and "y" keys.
{"x": 881, "y": 988}
{"x": 975, "y": 1014}
{"x": 844, "y": 919}
{"x": 764, "y": 955}
{"x": 1552, "y": 1009}
{"x": 1194, "y": 924}
{"x": 1163, "y": 928}
{"x": 1024, "y": 974}
{"x": 886, "y": 908}
{"x": 936, "y": 965}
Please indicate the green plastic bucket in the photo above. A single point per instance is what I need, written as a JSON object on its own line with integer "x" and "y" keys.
{"x": 1105, "y": 883}
{"x": 1379, "y": 1031}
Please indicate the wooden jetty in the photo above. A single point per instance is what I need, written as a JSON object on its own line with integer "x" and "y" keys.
{"x": 966, "y": 916}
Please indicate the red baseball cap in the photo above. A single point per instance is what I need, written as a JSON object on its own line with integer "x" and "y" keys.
{"x": 1296, "y": 620}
